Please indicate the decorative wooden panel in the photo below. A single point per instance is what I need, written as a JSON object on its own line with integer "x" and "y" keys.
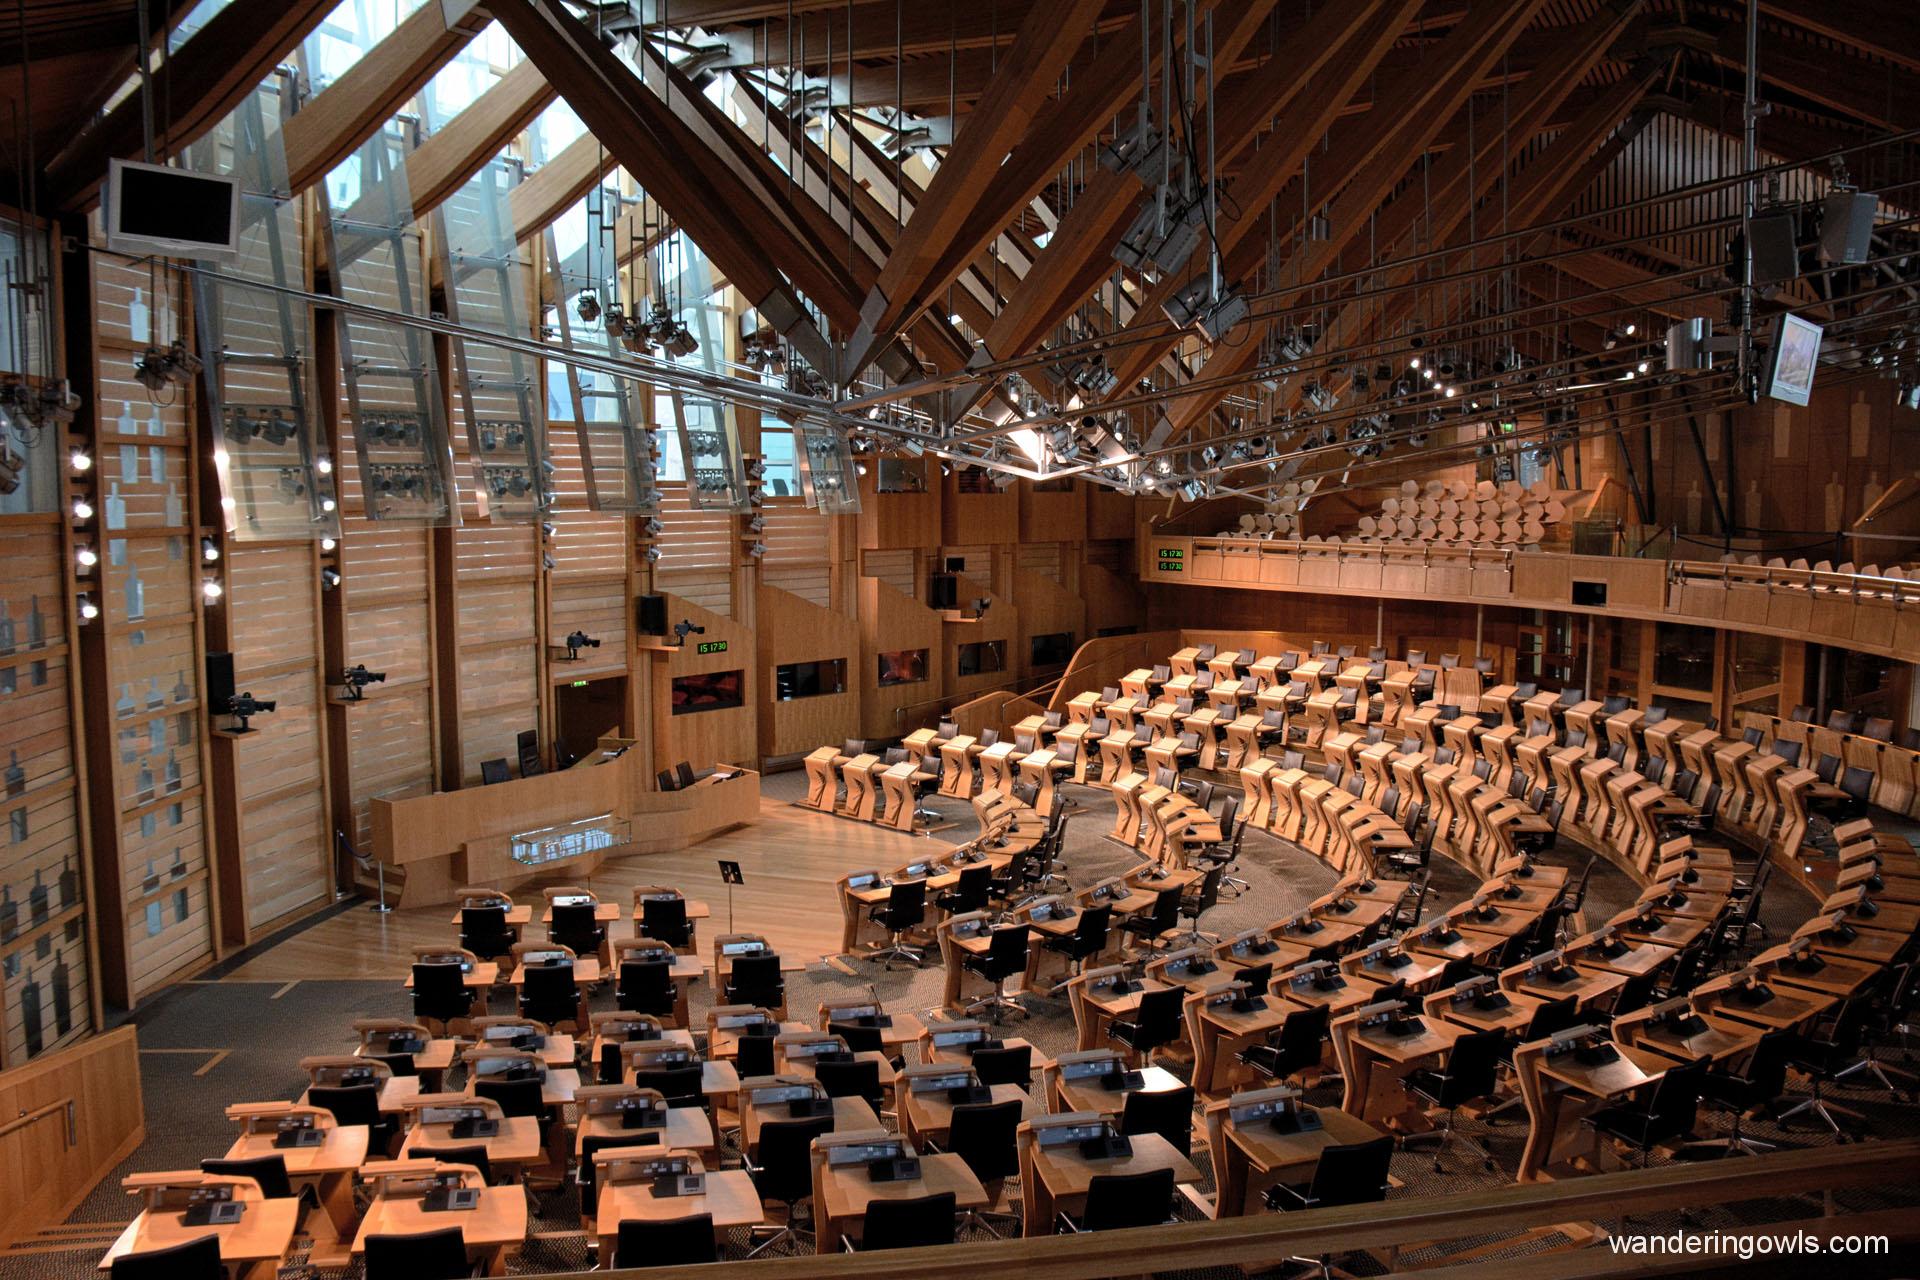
{"x": 696, "y": 550}
{"x": 495, "y": 568}
{"x": 286, "y": 852}
{"x": 43, "y": 968}
{"x": 893, "y": 566}
{"x": 148, "y": 643}
{"x": 799, "y": 551}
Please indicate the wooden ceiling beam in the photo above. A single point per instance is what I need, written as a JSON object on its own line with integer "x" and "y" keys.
{"x": 646, "y": 139}
{"x": 1026, "y": 79}
{"x": 1890, "y": 101}
{"x": 462, "y": 146}
{"x": 556, "y": 186}
{"x": 1373, "y": 28}
{"x": 337, "y": 120}
{"x": 1392, "y": 138}
{"x": 195, "y": 87}
{"x": 1883, "y": 28}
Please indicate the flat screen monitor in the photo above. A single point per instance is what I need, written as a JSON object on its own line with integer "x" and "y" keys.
{"x": 711, "y": 691}
{"x": 902, "y": 666}
{"x": 1789, "y": 367}
{"x": 176, "y": 213}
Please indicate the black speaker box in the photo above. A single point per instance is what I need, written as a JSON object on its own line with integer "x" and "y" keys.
{"x": 1846, "y": 227}
{"x": 653, "y": 615}
{"x": 220, "y": 688}
{"x": 1591, "y": 594}
{"x": 1776, "y": 255}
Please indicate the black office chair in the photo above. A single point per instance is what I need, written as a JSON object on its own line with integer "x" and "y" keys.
{"x": 1203, "y": 898}
{"x": 1292, "y": 1048}
{"x": 784, "y": 1173}
{"x": 527, "y": 747}
{"x": 1666, "y": 1113}
{"x": 857, "y": 1079}
{"x": 674, "y": 1243}
{"x": 1154, "y": 1023}
{"x": 905, "y": 910}
{"x": 612, "y": 1064}
{"x": 1005, "y": 956}
{"x": 428, "y": 1255}
{"x": 1167, "y": 1112}
{"x": 269, "y": 1171}
{"x": 986, "y": 1136}
{"x": 549, "y": 994}
{"x": 1471, "y": 1073}
{"x": 357, "y": 1104}
{"x": 680, "y": 1086}
{"x": 1352, "y": 1173}
{"x": 645, "y": 986}
{"x": 197, "y": 1259}
{"x": 1088, "y": 939}
{"x": 1757, "y": 1087}
{"x": 665, "y": 780}
{"x": 1225, "y": 853}
{"x": 440, "y": 993}
{"x": 906, "y": 1224}
{"x": 516, "y": 1098}
{"x": 858, "y": 1038}
{"x": 665, "y": 920}
{"x": 969, "y": 893}
{"x": 1825, "y": 1054}
{"x": 575, "y": 928}
{"x": 1157, "y": 924}
{"x": 485, "y": 932}
{"x": 493, "y": 771}
{"x": 756, "y": 980}
{"x": 475, "y": 1155}
{"x": 753, "y": 1056}
{"x": 1115, "y": 1201}
{"x": 1010, "y": 1064}
{"x": 587, "y": 1177}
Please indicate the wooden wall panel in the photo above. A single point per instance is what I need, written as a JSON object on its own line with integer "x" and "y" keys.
{"x": 496, "y": 588}
{"x": 706, "y": 737}
{"x": 1045, "y": 608}
{"x": 795, "y": 630}
{"x": 892, "y": 620}
{"x": 73, "y": 1118}
{"x": 1048, "y": 515}
{"x": 799, "y": 557}
{"x": 390, "y": 749}
{"x": 897, "y": 520}
{"x": 696, "y": 553}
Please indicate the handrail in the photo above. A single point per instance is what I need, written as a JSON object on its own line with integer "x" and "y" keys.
{"x": 1267, "y": 1237}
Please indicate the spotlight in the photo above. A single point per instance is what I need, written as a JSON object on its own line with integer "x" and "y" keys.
{"x": 684, "y": 628}
{"x": 80, "y": 460}
{"x": 86, "y": 557}
{"x": 588, "y": 306}
{"x": 323, "y": 464}
{"x": 82, "y": 509}
{"x": 209, "y": 550}
{"x": 356, "y": 678}
{"x": 211, "y": 590}
{"x": 651, "y": 555}
{"x": 757, "y": 550}
{"x": 329, "y": 578}
{"x": 328, "y": 544}
{"x": 980, "y": 606}
{"x": 88, "y": 609}
{"x": 651, "y": 526}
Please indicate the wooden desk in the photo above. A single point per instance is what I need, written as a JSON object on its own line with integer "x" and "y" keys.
{"x": 1639, "y": 958}
{"x": 1102, "y": 1007}
{"x": 1220, "y": 1032}
{"x": 1587, "y": 986}
{"x": 1675, "y": 932}
{"x": 840, "y": 1204}
{"x": 1512, "y": 1020}
{"x": 1054, "y": 1180}
{"x": 1373, "y": 1061}
{"x": 1246, "y": 1161}
{"x": 850, "y": 1115}
{"x": 1790, "y": 1007}
{"x": 328, "y": 1169}
{"x": 1837, "y": 976}
{"x": 603, "y": 913}
{"x": 1559, "y": 1092}
{"x": 586, "y": 972}
{"x": 432, "y": 1061}
{"x": 926, "y": 1116}
{"x": 730, "y": 1199}
{"x": 1720, "y": 1041}
{"x": 497, "y": 1223}
{"x": 258, "y": 1241}
{"x": 686, "y": 1129}
{"x": 517, "y": 1144}
{"x": 1084, "y": 1095}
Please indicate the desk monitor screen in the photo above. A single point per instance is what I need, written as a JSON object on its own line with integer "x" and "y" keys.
{"x": 773, "y": 1094}
{"x": 1230, "y": 993}
{"x": 953, "y": 1037}
{"x": 451, "y": 1113}
{"x": 1072, "y": 1133}
{"x": 664, "y": 895}
{"x": 853, "y": 1013}
{"x": 1102, "y": 892}
{"x": 1563, "y": 1041}
{"x": 517, "y": 1034}
{"x": 447, "y": 957}
{"x": 1260, "y": 1104}
{"x": 742, "y": 1022}
{"x": 573, "y": 900}
{"x": 914, "y": 870}
{"x": 813, "y": 1048}
{"x": 863, "y": 879}
{"x": 1254, "y": 942}
{"x": 936, "y": 1081}
{"x": 866, "y": 1152}
{"x": 1318, "y": 974}
{"x": 1381, "y": 1012}
{"x": 1090, "y": 1064}
{"x": 546, "y": 958}
{"x": 506, "y": 1068}
{"x": 743, "y": 947}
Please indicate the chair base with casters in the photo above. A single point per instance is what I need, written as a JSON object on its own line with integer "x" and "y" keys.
{"x": 1824, "y": 1110}
{"x": 996, "y": 1004}
{"x": 1869, "y": 1065}
{"x": 1447, "y": 1136}
{"x": 897, "y": 948}
{"x": 795, "y": 1228}
{"x": 1736, "y": 1143}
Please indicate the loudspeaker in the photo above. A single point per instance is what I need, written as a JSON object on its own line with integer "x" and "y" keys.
{"x": 1776, "y": 255}
{"x": 1846, "y": 227}
{"x": 220, "y": 688}
{"x": 653, "y": 615}
{"x": 1592, "y": 594}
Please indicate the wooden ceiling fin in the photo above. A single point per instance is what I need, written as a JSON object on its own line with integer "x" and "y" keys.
{"x": 193, "y": 89}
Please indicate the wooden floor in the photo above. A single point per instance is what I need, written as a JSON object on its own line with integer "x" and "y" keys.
{"x": 790, "y": 860}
